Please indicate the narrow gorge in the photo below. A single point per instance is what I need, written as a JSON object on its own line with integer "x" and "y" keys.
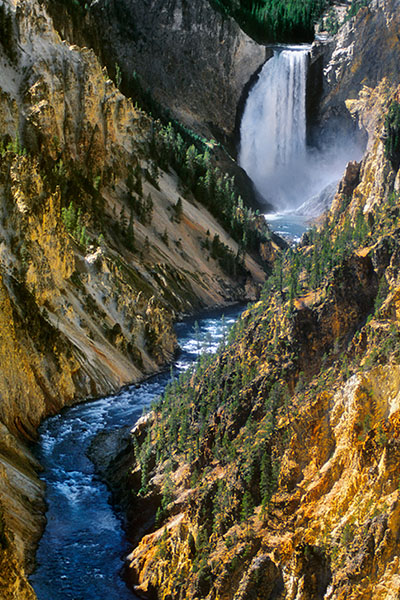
{"x": 268, "y": 468}
{"x": 80, "y": 553}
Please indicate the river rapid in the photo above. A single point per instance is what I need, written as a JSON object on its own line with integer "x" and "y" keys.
{"x": 81, "y": 554}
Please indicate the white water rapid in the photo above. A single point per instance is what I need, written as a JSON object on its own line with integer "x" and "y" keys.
{"x": 298, "y": 182}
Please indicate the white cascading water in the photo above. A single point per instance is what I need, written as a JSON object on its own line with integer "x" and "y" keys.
{"x": 298, "y": 182}
{"x": 273, "y": 129}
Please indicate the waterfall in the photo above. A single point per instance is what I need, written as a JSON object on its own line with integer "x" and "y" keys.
{"x": 273, "y": 129}
{"x": 299, "y": 182}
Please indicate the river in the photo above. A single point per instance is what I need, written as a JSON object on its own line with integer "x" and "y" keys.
{"x": 81, "y": 553}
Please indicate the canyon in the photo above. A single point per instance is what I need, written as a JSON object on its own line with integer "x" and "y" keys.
{"x": 106, "y": 239}
{"x": 274, "y": 465}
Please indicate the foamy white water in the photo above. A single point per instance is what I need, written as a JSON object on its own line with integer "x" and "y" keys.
{"x": 273, "y": 128}
{"x": 297, "y": 181}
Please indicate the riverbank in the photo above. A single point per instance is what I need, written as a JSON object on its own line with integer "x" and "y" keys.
{"x": 82, "y": 550}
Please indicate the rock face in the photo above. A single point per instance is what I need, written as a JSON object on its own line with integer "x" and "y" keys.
{"x": 22, "y": 515}
{"x": 194, "y": 60}
{"x": 364, "y": 52}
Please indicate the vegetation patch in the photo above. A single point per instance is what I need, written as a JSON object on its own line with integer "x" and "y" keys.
{"x": 275, "y": 20}
{"x": 214, "y": 189}
{"x": 7, "y": 38}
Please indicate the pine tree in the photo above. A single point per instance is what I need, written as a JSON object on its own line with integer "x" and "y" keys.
{"x": 178, "y": 210}
{"x": 69, "y": 217}
{"x": 247, "y": 506}
{"x": 164, "y": 237}
{"x": 83, "y": 237}
{"x": 130, "y": 236}
{"x": 148, "y": 210}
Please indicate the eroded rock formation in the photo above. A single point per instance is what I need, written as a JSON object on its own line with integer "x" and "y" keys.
{"x": 193, "y": 60}
{"x": 364, "y": 51}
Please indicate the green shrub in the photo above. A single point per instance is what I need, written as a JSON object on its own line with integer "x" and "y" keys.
{"x": 72, "y": 220}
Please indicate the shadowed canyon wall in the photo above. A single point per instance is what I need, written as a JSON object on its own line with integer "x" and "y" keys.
{"x": 193, "y": 60}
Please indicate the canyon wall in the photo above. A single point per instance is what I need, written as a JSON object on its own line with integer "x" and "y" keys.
{"x": 364, "y": 52}
{"x": 103, "y": 243}
{"x": 193, "y": 60}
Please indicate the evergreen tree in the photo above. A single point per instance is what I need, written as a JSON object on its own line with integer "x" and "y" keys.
{"x": 392, "y": 134}
{"x": 178, "y": 210}
{"x": 130, "y": 236}
{"x": 148, "y": 210}
{"x": 6, "y": 32}
{"x": 247, "y": 506}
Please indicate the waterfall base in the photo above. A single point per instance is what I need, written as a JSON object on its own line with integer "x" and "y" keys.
{"x": 292, "y": 224}
{"x": 289, "y": 226}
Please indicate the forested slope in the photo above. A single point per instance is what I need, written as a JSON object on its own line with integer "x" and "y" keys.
{"x": 271, "y": 470}
{"x": 276, "y": 20}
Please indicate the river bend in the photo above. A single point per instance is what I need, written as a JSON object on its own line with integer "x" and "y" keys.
{"x": 81, "y": 553}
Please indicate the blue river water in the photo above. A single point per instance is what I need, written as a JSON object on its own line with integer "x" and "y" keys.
{"x": 289, "y": 226}
{"x": 81, "y": 554}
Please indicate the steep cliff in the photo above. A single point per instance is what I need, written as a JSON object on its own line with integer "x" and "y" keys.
{"x": 193, "y": 60}
{"x": 76, "y": 165}
{"x": 364, "y": 51}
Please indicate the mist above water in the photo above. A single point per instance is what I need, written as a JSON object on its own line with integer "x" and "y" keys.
{"x": 292, "y": 178}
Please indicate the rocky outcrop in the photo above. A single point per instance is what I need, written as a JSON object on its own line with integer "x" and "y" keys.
{"x": 365, "y": 50}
